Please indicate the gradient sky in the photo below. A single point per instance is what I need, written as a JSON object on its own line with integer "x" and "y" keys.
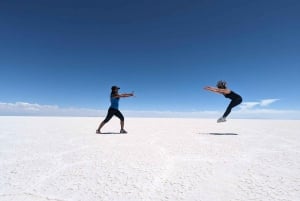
{"x": 69, "y": 53}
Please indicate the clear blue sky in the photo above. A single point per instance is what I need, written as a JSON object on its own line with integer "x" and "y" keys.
{"x": 69, "y": 53}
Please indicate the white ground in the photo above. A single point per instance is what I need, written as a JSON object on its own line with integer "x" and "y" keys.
{"x": 62, "y": 159}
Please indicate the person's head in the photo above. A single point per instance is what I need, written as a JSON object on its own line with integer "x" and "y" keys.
{"x": 221, "y": 84}
{"x": 114, "y": 89}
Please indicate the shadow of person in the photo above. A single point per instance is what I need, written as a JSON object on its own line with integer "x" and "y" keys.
{"x": 219, "y": 133}
{"x": 223, "y": 134}
{"x": 110, "y": 133}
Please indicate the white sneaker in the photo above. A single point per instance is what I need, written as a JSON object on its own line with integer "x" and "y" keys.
{"x": 221, "y": 119}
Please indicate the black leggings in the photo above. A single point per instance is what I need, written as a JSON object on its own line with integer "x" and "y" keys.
{"x": 111, "y": 112}
{"x": 231, "y": 105}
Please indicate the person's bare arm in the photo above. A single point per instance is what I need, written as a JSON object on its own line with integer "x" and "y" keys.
{"x": 212, "y": 89}
{"x": 217, "y": 90}
{"x": 124, "y": 95}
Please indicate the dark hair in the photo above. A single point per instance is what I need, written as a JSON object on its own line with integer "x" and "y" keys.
{"x": 221, "y": 84}
{"x": 114, "y": 90}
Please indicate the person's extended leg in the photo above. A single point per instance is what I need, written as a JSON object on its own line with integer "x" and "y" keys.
{"x": 109, "y": 115}
{"x": 231, "y": 105}
{"x": 121, "y": 117}
{"x": 228, "y": 109}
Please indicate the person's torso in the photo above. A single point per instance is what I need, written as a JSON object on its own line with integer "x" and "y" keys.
{"x": 232, "y": 95}
{"x": 114, "y": 102}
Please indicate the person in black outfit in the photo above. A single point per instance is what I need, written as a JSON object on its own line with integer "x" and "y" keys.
{"x": 236, "y": 99}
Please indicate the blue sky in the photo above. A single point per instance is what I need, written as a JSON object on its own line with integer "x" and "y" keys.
{"x": 62, "y": 57}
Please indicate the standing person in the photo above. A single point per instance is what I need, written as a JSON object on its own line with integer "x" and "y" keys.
{"x": 236, "y": 99}
{"x": 114, "y": 108}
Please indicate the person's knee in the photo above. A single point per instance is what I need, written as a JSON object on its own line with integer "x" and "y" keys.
{"x": 105, "y": 120}
{"x": 121, "y": 117}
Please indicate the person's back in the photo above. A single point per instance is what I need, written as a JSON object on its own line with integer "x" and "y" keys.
{"x": 232, "y": 95}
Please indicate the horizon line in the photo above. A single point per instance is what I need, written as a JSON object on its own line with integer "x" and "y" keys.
{"x": 28, "y": 109}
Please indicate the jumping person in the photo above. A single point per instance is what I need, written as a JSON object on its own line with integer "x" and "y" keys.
{"x": 114, "y": 108}
{"x": 236, "y": 99}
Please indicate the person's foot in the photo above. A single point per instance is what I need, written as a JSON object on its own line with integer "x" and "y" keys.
{"x": 98, "y": 132}
{"x": 222, "y": 119}
{"x": 123, "y": 131}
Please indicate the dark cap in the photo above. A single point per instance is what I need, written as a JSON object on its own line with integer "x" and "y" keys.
{"x": 115, "y": 87}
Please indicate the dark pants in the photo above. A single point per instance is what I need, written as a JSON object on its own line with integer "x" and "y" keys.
{"x": 111, "y": 112}
{"x": 231, "y": 105}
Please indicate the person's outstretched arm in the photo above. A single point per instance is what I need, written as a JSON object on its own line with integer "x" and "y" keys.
{"x": 124, "y": 95}
{"x": 217, "y": 90}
